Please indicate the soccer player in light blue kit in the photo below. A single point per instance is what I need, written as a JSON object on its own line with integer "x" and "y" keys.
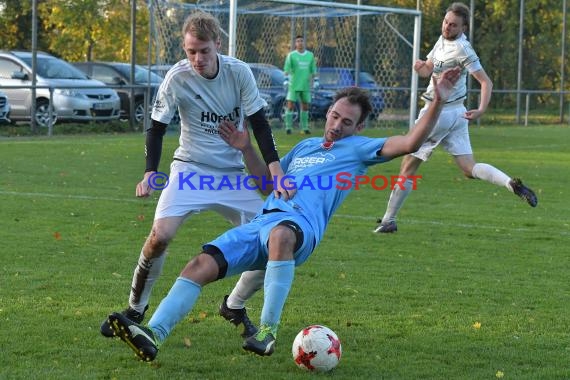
{"x": 285, "y": 233}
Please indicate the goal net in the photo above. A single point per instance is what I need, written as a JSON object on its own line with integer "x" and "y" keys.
{"x": 374, "y": 42}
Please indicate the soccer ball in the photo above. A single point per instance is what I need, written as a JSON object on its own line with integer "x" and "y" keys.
{"x": 316, "y": 348}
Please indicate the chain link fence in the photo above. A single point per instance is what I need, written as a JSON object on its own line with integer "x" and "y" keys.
{"x": 375, "y": 40}
{"x": 374, "y": 45}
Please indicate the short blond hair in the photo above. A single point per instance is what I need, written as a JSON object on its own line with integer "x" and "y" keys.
{"x": 202, "y": 25}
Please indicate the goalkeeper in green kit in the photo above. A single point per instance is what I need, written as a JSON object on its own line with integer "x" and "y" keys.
{"x": 300, "y": 74}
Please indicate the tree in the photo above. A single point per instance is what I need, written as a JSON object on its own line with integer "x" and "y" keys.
{"x": 85, "y": 30}
{"x": 16, "y": 21}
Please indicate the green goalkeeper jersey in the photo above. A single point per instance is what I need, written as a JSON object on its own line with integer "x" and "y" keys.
{"x": 301, "y": 67}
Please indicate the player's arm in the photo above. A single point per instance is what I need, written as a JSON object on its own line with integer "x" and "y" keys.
{"x": 264, "y": 137}
{"x": 399, "y": 145}
{"x": 486, "y": 90}
{"x": 255, "y": 165}
{"x": 153, "y": 151}
{"x": 423, "y": 68}
{"x": 286, "y": 71}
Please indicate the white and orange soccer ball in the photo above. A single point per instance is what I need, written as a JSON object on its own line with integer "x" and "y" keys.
{"x": 316, "y": 348}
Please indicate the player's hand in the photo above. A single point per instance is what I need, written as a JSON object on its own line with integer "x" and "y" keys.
{"x": 444, "y": 85}
{"x": 419, "y": 64}
{"x": 144, "y": 189}
{"x": 237, "y": 139}
{"x": 473, "y": 114}
{"x": 284, "y": 188}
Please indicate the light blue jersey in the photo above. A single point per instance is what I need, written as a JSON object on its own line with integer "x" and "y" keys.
{"x": 321, "y": 171}
{"x": 315, "y": 166}
{"x": 324, "y": 174}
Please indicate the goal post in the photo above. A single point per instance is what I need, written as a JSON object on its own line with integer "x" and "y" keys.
{"x": 379, "y": 42}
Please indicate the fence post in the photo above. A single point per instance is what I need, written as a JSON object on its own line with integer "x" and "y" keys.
{"x": 50, "y": 112}
{"x": 527, "y": 104}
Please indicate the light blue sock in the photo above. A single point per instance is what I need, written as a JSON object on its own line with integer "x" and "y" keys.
{"x": 174, "y": 307}
{"x": 278, "y": 279}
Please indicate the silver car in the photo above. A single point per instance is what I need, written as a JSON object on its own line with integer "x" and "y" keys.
{"x": 4, "y": 109}
{"x": 117, "y": 74}
{"x": 75, "y": 96}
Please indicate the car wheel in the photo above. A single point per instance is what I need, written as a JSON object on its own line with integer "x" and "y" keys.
{"x": 42, "y": 113}
{"x": 284, "y": 110}
{"x": 139, "y": 112}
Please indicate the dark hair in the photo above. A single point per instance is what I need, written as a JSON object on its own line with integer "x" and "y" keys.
{"x": 461, "y": 10}
{"x": 299, "y": 36}
{"x": 356, "y": 95}
{"x": 202, "y": 25}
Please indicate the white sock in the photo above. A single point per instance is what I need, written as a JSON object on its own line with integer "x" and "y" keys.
{"x": 491, "y": 174}
{"x": 248, "y": 283}
{"x": 397, "y": 198}
{"x": 146, "y": 273}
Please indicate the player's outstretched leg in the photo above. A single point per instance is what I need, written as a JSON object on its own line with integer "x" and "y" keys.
{"x": 130, "y": 313}
{"x": 278, "y": 279}
{"x": 139, "y": 338}
{"x": 523, "y": 192}
{"x": 237, "y": 317}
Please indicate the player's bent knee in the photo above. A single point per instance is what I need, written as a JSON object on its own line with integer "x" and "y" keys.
{"x": 158, "y": 241}
{"x": 203, "y": 269}
{"x": 221, "y": 262}
{"x": 287, "y": 234}
{"x": 468, "y": 173}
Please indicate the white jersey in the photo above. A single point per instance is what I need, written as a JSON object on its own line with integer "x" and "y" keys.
{"x": 203, "y": 104}
{"x": 447, "y": 54}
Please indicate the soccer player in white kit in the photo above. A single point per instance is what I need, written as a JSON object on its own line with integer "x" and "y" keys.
{"x": 209, "y": 89}
{"x": 451, "y": 131}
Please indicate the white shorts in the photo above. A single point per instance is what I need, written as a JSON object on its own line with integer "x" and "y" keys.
{"x": 193, "y": 188}
{"x": 451, "y": 131}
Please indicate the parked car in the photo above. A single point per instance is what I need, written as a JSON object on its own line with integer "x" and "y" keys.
{"x": 160, "y": 70}
{"x": 335, "y": 78}
{"x": 4, "y": 109}
{"x": 91, "y": 100}
{"x": 270, "y": 80}
{"x": 119, "y": 74}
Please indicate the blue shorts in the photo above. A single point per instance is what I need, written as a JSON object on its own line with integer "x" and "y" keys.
{"x": 245, "y": 247}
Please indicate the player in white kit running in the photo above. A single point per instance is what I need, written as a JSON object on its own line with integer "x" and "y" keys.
{"x": 451, "y": 131}
{"x": 208, "y": 89}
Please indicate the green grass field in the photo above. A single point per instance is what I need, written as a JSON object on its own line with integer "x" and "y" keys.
{"x": 475, "y": 284}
